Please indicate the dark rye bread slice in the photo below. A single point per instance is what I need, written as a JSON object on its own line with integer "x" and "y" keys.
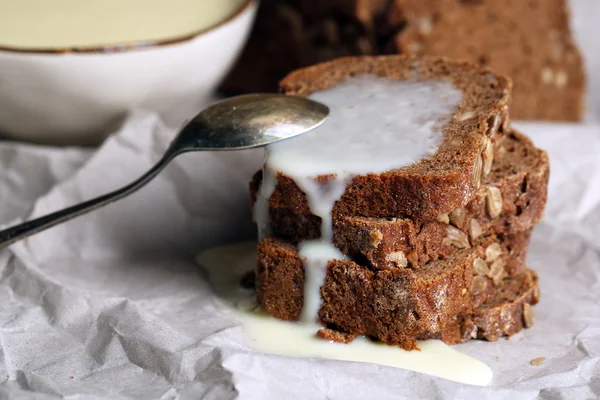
{"x": 435, "y": 184}
{"x": 505, "y": 313}
{"x": 395, "y": 305}
{"x": 530, "y": 41}
{"x": 520, "y": 172}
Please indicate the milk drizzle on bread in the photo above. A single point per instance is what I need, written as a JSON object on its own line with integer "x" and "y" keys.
{"x": 376, "y": 124}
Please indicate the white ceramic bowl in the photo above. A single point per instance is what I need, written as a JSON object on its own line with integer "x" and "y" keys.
{"x": 79, "y": 96}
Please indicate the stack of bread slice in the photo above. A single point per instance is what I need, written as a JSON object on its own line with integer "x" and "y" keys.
{"x": 435, "y": 249}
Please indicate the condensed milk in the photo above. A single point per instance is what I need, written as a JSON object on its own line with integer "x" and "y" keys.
{"x": 34, "y": 24}
{"x": 375, "y": 125}
{"x": 225, "y": 266}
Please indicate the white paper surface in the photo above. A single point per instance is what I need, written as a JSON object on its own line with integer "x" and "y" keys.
{"x": 111, "y": 305}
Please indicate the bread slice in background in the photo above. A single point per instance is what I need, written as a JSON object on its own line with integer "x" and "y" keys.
{"x": 530, "y": 41}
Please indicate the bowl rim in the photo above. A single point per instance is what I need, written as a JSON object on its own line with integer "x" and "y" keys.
{"x": 133, "y": 46}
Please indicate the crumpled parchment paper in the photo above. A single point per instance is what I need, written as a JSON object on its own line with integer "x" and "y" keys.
{"x": 112, "y": 306}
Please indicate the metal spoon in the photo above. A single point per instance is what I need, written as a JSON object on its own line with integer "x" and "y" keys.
{"x": 237, "y": 123}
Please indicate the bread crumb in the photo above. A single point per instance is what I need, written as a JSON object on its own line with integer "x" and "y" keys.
{"x": 335, "y": 336}
{"x": 538, "y": 361}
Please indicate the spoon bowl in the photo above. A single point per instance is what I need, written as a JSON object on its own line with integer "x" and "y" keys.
{"x": 251, "y": 120}
{"x": 236, "y": 123}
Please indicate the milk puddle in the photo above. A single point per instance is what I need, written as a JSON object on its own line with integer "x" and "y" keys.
{"x": 225, "y": 266}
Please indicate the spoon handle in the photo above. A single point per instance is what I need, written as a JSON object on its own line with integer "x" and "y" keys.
{"x": 15, "y": 233}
